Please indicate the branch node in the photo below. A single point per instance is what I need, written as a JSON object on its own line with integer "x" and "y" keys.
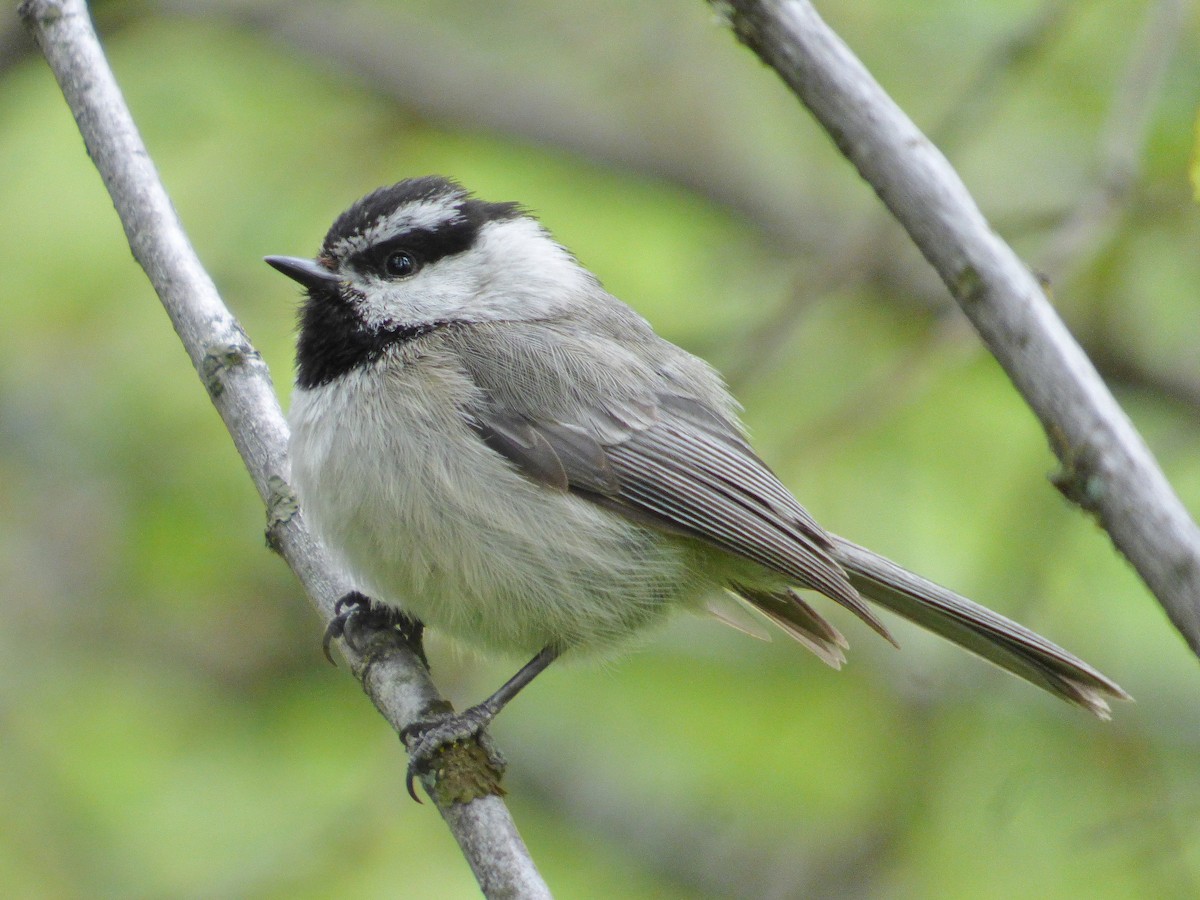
{"x": 35, "y": 13}
{"x": 1078, "y": 480}
{"x": 282, "y": 506}
{"x": 223, "y": 358}
{"x": 377, "y": 641}
{"x": 969, "y": 286}
{"x": 462, "y": 772}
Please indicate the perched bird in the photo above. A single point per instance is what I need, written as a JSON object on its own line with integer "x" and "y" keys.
{"x": 495, "y": 446}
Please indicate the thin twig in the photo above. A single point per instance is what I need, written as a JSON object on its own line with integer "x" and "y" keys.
{"x": 1082, "y": 232}
{"x": 1107, "y": 467}
{"x": 863, "y": 257}
{"x": 1075, "y": 235}
{"x": 240, "y": 387}
{"x": 1163, "y": 382}
{"x": 443, "y": 75}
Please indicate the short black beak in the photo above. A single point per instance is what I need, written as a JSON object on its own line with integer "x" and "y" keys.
{"x": 308, "y": 272}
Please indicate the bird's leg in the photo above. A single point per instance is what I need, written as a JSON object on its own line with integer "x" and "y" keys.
{"x": 426, "y": 738}
{"x": 359, "y": 607}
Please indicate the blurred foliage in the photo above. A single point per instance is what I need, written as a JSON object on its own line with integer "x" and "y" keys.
{"x": 1195, "y": 170}
{"x": 168, "y": 726}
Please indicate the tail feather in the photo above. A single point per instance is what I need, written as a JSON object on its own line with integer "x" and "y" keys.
{"x": 977, "y": 629}
{"x": 800, "y": 621}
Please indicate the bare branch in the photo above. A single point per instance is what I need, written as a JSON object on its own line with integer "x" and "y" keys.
{"x": 1013, "y": 53}
{"x": 240, "y": 387}
{"x": 1082, "y": 232}
{"x": 1107, "y": 468}
{"x": 867, "y": 256}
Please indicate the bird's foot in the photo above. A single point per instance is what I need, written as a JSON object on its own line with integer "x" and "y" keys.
{"x": 359, "y": 608}
{"x": 429, "y": 740}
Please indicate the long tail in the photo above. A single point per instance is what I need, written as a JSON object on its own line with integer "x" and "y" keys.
{"x": 977, "y": 629}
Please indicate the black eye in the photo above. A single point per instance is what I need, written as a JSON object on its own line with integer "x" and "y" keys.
{"x": 399, "y": 264}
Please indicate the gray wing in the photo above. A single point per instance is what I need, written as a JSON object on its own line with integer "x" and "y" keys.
{"x": 706, "y": 483}
{"x": 687, "y": 473}
{"x": 646, "y": 445}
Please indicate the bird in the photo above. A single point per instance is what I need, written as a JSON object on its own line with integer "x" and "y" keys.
{"x": 492, "y": 445}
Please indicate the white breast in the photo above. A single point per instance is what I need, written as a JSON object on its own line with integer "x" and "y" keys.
{"x": 427, "y": 518}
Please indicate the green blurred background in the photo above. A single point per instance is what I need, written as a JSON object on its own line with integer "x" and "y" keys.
{"x": 168, "y": 727}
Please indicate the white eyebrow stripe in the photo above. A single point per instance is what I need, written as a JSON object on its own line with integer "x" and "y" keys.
{"x": 425, "y": 214}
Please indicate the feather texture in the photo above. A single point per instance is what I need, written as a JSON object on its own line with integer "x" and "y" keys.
{"x": 489, "y": 440}
{"x": 686, "y": 469}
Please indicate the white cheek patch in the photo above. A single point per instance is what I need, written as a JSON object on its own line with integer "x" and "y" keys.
{"x": 442, "y": 291}
{"x": 529, "y": 275}
{"x": 513, "y": 271}
{"x": 381, "y": 306}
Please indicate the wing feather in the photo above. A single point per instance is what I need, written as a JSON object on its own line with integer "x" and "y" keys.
{"x": 653, "y": 436}
{"x": 703, "y": 482}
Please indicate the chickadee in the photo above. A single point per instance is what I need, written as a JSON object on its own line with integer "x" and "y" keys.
{"x": 496, "y": 446}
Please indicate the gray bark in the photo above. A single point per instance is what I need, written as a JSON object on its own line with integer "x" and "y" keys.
{"x": 240, "y": 386}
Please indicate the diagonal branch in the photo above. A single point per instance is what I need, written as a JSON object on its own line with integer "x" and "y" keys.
{"x": 1107, "y": 468}
{"x": 240, "y": 386}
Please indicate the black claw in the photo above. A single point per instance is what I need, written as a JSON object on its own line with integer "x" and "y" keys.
{"x": 357, "y": 604}
{"x": 334, "y": 630}
{"x": 417, "y": 766}
{"x": 346, "y": 606}
{"x": 350, "y": 602}
{"x": 410, "y": 781}
{"x": 412, "y": 632}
